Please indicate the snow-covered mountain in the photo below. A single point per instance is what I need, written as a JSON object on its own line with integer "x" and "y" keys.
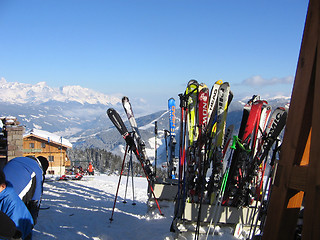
{"x": 14, "y": 92}
{"x": 65, "y": 111}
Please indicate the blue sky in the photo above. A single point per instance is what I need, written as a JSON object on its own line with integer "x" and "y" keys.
{"x": 152, "y": 48}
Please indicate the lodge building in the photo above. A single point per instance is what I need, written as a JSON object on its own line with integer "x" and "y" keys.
{"x": 50, "y": 146}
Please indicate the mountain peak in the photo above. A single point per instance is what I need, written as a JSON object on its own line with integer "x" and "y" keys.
{"x": 3, "y": 80}
{"x": 14, "y": 92}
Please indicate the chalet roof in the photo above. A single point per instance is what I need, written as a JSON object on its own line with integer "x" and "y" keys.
{"x": 50, "y": 137}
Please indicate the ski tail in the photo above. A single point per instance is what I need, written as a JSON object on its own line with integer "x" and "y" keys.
{"x": 118, "y": 123}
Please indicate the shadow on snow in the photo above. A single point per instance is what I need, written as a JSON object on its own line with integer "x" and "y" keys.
{"x": 81, "y": 212}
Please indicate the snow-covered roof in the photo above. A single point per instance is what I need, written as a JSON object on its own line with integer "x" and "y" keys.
{"x": 51, "y": 137}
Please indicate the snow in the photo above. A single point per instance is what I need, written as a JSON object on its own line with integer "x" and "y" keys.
{"x": 81, "y": 210}
{"x": 151, "y": 124}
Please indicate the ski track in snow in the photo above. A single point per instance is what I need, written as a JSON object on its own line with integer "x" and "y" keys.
{"x": 82, "y": 209}
{"x": 151, "y": 124}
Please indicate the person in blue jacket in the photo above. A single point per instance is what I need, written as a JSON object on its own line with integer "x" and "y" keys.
{"x": 25, "y": 174}
{"x": 13, "y": 207}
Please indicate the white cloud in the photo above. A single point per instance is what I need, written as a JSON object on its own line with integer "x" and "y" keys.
{"x": 259, "y": 81}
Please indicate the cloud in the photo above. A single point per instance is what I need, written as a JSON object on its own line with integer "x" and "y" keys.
{"x": 259, "y": 81}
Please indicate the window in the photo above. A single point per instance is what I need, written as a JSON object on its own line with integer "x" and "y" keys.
{"x": 43, "y": 145}
{"x": 51, "y": 158}
{"x": 31, "y": 145}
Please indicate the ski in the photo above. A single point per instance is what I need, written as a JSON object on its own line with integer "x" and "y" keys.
{"x": 215, "y": 152}
{"x": 172, "y": 143}
{"x": 212, "y": 106}
{"x": 223, "y": 103}
{"x": 201, "y": 161}
{"x": 192, "y": 101}
{"x": 137, "y": 136}
{"x": 192, "y": 106}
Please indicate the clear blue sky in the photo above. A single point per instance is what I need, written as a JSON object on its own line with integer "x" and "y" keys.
{"x": 152, "y": 48}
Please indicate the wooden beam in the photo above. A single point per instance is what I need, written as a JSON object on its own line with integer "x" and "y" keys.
{"x": 298, "y": 180}
{"x": 286, "y": 197}
{"x": 299, "y": 174}
{"x": 311, "y": 219}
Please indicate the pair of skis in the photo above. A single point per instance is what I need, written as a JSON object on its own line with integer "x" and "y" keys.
{"x": 134, "y": 142}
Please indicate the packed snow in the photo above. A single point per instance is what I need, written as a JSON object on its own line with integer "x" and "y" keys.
{"x": 81, "y": 210}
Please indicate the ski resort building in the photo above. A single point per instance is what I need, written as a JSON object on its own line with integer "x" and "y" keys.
{"x": 45, "y": 144}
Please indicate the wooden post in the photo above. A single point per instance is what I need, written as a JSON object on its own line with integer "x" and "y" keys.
{"x": 298, "y": 175}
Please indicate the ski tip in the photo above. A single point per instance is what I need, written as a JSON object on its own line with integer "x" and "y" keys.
{"x": 125, "y": 98}
{"x": 110, "y": 110}
{"x": 193, "y": 81}
{"x": 220, "y": 82}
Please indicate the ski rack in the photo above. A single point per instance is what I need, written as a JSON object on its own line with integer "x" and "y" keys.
{"x": 297, "y": 177}
{"x": 227, "y": 215}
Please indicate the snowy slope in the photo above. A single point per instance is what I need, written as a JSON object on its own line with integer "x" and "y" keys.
{"x": 81, "y": 210}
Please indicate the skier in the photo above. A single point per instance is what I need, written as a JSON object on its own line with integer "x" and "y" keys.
{"x": 90, "y": 169}
{"x": 13, "y": 207}
{"x": 26, "y": 176}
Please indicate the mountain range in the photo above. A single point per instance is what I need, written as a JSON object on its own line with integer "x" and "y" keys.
{"x": 79, "y": 114}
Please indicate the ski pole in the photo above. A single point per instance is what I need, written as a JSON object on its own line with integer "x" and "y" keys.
{"x": 166, "y": 143}
{"x": 202, "y": 183}
{"x": 115, "y": 199}
{"x": 148, "y": 179}
{"x": 125, "y": 193}
{"x": 268, "y": 187}
{"x": 133, "y": 203}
